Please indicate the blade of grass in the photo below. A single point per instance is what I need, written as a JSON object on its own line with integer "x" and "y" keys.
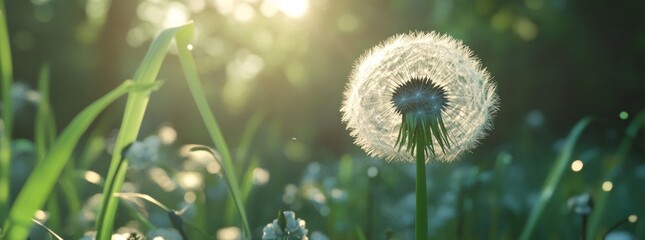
{"x": 6, "y": 75}
{"x": 244, "y": 148}
{"x": 42, "y": 116}
{"x": 190, "y": 70}
{"x": 42, "y": 141}
{"x": 40, "y": 183}
{"x": 45, "y": 135}
{"x": 552, "y": 181}
{"x": 602, "y": 197}
{"x": 245, "y": 187}
{"x": 130, "y": 125}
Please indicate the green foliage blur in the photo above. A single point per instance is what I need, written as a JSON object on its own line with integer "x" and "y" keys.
{"x": 274, "y": 77}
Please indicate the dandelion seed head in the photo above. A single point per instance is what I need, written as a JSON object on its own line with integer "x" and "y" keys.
{"x": 430, "y": 73}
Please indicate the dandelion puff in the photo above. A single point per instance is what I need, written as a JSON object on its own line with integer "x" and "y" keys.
{"x": 415, "y": 86}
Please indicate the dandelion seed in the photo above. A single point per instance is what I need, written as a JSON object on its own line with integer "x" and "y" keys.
{"x": 422, "y": 90}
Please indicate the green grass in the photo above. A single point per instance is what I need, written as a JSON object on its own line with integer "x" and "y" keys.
{"x": 133, "y": 116}
{"x": 358, "y": 206}
{"x": 601, "y": 198}
{"x": 44, "y": 176}
{"x": 553, "y": 179}
{"x": 130, "y": 125}
{"x": 195, "y": 86}
{"x": 6, "y": 76}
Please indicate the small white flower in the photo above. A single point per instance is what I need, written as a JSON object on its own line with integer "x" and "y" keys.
{"x": 294, "y": 229}
{"x": 141, "y": 153}
{"x": 164, "y": 234}
{"x": 430, "y": 82}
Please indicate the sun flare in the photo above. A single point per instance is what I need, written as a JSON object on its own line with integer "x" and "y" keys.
{"x": 293, "y": 8}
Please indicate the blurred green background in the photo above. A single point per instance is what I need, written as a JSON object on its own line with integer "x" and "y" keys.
{"x": 287, "y": 62}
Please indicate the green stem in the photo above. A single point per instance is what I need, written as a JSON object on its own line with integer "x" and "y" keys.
{"x": 421, "y": 223}
{"x": 6, "y": 76}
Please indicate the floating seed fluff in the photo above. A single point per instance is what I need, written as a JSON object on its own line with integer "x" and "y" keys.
{"x": 419, "y": 86}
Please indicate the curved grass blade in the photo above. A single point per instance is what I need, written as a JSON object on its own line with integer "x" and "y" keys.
{"x": 601, "y": 198}
{"x": 48, "y": 230}
{"x": 130, "y": 125}
{"x": 6, "y": 76}
{"x": 236, "y": 194}
{"x": 192, "y": 77}
{"x": 552, "y": 181}
{"x": 40, "y": 183}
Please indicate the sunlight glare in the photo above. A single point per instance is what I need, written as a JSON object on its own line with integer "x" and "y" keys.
{"x": 577, "y": 165}
{"x": 293, "y": 8}
{"x": 176, "y": 15}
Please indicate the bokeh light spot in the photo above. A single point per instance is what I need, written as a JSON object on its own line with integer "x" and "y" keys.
{"x": 190, "y": 197}
{"x": 190, "y": 180}
{"x": 41, "y": 215}
{"x": 525, "y": 28}
{"x": 244, "y": 13}
{"x": 293, "y": 8}
{"x": 224, "y": 7}
{"x": 167, "y": 134}
{"x": 161, "y": 178}
{"x": 96, "y": 9}
{"x": 229, "y": 233}
{"x": 176, "y": 15}
{"x": 502, "y": 19}
{"x": 607, "y": 186}
{"x": 577, "y": 165}
{"x": 623, "y": 115}
{"x": 213, "y": 167}
{"x": 260, "y": 176}
{"x": 372, "y": 172}
{"x": 92, "y": 177}
{"x": 632, "y": 218}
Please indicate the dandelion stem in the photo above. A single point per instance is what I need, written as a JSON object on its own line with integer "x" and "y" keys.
{"x": 584, "y": 226}
{"x": 421, "y": 222}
